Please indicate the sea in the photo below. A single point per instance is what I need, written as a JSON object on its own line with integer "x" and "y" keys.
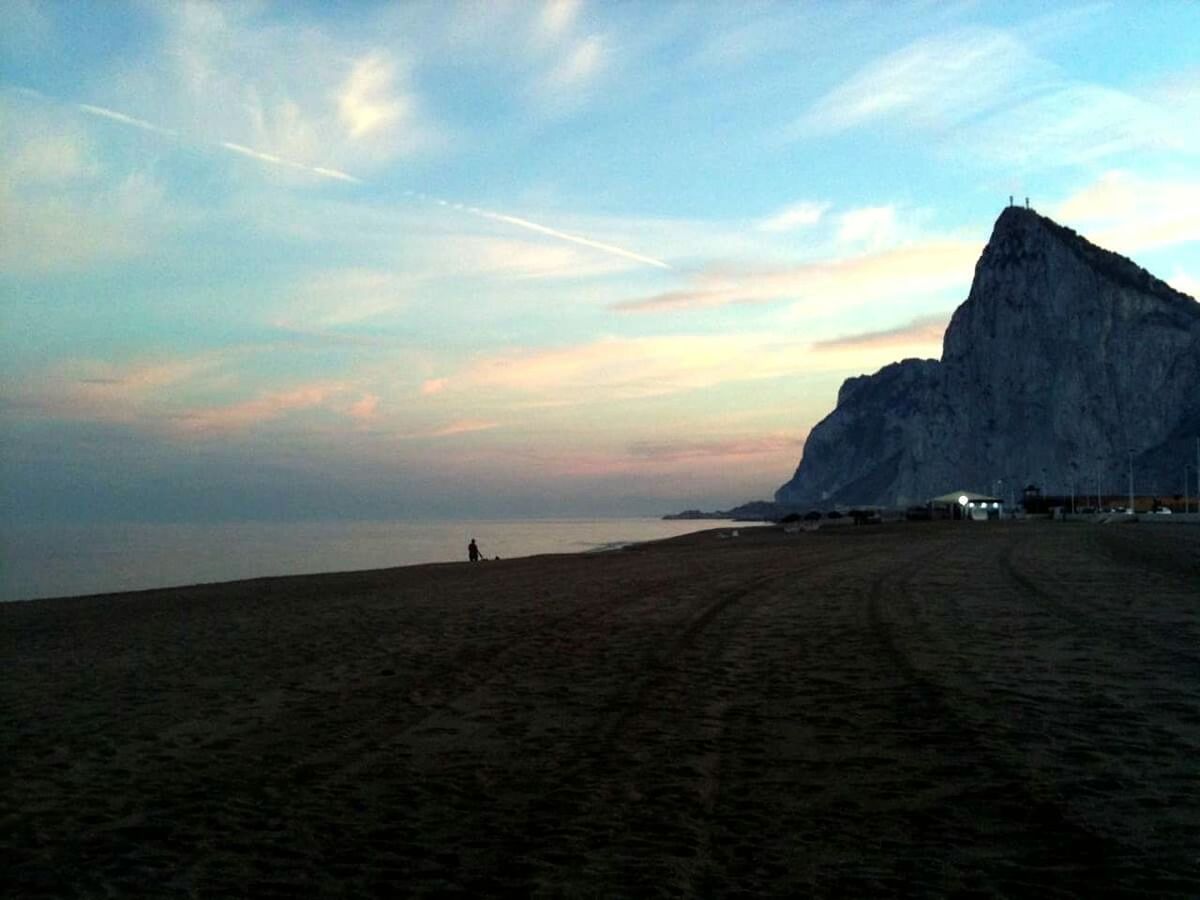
{"x": 66, "y": 560}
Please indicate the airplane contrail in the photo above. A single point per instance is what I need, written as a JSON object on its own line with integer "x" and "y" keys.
{"x": 126, "y": 120}
{"x": 289, "y": 164}
{"x": 325, "y": 172}
{"x": 564, "y": 236}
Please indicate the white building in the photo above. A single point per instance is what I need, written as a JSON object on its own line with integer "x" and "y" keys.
{"x": 967, "y": 505}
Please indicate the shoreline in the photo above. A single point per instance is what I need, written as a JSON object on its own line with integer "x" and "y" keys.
{"x": 616, "y": 547}
{"x": 56, "y": 561}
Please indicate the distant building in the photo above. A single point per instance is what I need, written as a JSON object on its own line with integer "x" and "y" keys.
{"x": 966, "y": 505}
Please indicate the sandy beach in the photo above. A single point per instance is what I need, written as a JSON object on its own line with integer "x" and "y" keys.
{"x": 985, "y": 710}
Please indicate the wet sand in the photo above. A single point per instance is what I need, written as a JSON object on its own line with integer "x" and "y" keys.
{"x": 1001, "y": 709}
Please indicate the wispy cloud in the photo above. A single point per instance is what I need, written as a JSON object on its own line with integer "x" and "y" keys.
{"x": 896, "y": 272}
{"x": 98, "y": 391}
{"x": 622, "y": 369}
{"x": 365, "y": 408}
{"x": 314, "y": 95}
{"x": 923, "y": 330}
{"x": 739, "y": 448}
{"x": 935, "y": 82}
{"x": 339, "y": 298}
{"x": 369, "y": 102}
{"x": 1129, "y": 213}
{"x": 1074, "y": 124}
{"x": 57, "y": 217}
{"x": 462, "y": 426}
{"x": 239, "y": 149}
{"x": 799, "y": 215}
{"x": 557, "y": 17}
{"x": 582, "y": 63}
{"x": 266, "y": 407}
{"x": 872, "y": 226}
{"x": 1185, "y": 282}
{"x": 324, "y": 172}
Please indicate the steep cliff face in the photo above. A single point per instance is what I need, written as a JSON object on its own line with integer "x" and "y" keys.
{"x": 1063, "y": 358}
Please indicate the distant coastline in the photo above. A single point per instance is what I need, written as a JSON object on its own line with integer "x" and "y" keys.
{"x": 754, "y": 511}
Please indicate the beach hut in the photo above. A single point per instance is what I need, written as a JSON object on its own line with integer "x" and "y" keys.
{"x": 967, "y": 505}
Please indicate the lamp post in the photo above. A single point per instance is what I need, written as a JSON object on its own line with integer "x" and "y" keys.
{"x": 1097, "y": 484}
{"x": 1074, "y": 474}
{"x": 1186, "y": 487}
{"x": 1131, "y": 482}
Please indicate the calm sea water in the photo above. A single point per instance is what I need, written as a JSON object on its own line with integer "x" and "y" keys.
{"x": 63, "y": 560}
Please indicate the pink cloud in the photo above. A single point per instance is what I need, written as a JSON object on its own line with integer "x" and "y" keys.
{"x": 736, "y": 448}
{"x": 899, "y": 271}
{"x": 921, "y": 330}
{"x": 266, "y": 407}
{"x": 463, "y": 426}
{"x": 365, "y": 408}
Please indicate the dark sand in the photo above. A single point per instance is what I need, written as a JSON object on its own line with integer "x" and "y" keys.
{"x": 973, "y": 709}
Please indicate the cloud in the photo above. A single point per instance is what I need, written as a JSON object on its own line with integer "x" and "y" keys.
{"x": 724, "y": 449}
{"x": 872, "y": 226}
{"x": 43, "y": 151}
{"x": 1129, "y": 213}
{"x": 311, "y": 95}
{"x": 622, "y": 369}
{"x": 365, "y": 408}
{"x": 1073, "y": 124}
{"x": 57, "y": 219}
{"x": 934, "y": 82}
{"x": 369, "y": 101}
{"x": 432, "y": 386}
{"x": 462, "y": 426}
{"x": 799, "y": 215}
{"x": 266, "y": 407}
{"x": 580, "y": 65}
{"x": 897, "y": 272}
{"x": 99, "y": 391}
{"x": 340, "y": 298}
{"x": 921, "y": 330}
{"x": 1185, "y": 282}
{"x": 985, "y": 95}
{"x": 557, "y": 17}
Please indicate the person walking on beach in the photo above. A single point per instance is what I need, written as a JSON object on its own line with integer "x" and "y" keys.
{"x": 473, "y": 551}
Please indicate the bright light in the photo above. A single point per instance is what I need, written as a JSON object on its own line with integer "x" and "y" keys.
{"x": 962, "y": 501}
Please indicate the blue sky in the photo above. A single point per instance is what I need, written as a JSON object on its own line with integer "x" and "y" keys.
{"x": 311, "y": 260}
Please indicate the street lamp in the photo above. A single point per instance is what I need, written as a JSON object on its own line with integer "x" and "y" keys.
{"x": 1131, "y": 482}
{"x": 1074, "y": 474}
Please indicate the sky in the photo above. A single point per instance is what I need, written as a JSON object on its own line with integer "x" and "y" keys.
{"x": 301, "y": 260}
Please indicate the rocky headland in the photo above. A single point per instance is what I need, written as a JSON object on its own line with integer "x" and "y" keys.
{"x": 1064, "y": 359}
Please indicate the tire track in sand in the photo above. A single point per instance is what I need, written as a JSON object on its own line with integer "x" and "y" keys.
{"x": 1005, "y": 796}
{"x": 653, "y": 774}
